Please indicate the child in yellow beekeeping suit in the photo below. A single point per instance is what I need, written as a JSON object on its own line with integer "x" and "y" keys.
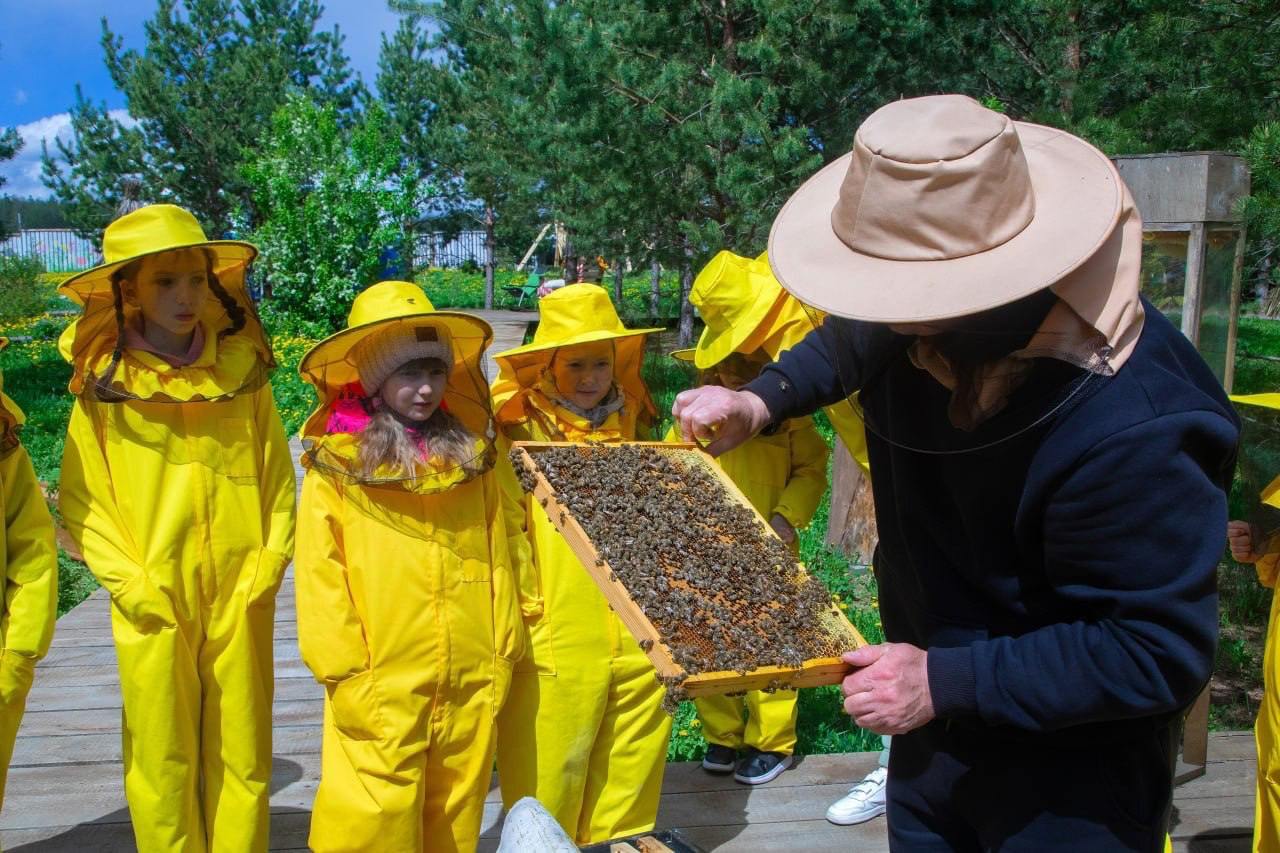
{"x": 584, "y": 731}
{"x": 408, "y": 609}
{"x": 28, "y": 579}
{"x": 178, "y": 487}
{"x": 1250, "y": 545}
{"x": 783, "y": 475}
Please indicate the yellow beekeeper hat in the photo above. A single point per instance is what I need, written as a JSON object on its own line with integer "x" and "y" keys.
{"x": 400, "y": 311}
{"x": 575, "y": 314}
{"x": 147, "y": 231}
{"x": 1271, "y": 493}
{"x": 745, "y": 308}
{"x": 150, "y": 230}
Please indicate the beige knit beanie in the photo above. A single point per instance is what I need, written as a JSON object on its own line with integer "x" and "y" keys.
{"x": 381, "y": 354}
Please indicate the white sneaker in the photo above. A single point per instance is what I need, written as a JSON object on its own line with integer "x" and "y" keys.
{"x": 864, "y": 801}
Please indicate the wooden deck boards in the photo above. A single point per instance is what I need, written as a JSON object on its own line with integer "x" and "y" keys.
{"x": 509, "y": 328}
{"x": 65, "y": 788}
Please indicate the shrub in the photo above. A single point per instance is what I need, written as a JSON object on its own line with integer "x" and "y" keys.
{"x": 22, "y": 292}
{"x": 328, "y": 208}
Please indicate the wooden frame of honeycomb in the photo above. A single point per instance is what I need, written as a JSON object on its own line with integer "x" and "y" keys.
{"x": 812, "y": 673}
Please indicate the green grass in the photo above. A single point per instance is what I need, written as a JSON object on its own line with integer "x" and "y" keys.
{"x": 1258, "y": 341}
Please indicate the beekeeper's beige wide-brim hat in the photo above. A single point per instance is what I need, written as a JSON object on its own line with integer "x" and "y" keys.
{"x": 943, "y": 208}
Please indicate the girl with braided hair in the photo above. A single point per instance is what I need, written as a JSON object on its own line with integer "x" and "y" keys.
{"x": 177, "y": 485}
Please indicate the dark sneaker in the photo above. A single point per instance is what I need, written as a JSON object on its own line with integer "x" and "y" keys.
{"x": 719, "y": 759}
{"x": 757, "y": 767}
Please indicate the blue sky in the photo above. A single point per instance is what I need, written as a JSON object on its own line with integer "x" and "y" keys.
{"x": 48, "y": 46}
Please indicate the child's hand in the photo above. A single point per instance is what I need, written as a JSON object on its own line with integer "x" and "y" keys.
{"x": 783, "y": 528}
{"x": 1240, "y": 538}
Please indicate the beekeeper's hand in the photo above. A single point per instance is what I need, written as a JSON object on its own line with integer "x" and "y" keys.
{"x": 888, "y": 693}
{"x": 783, "y": 528}
{"x": 719, "y": 418}
{"x": 1240, "y": 538}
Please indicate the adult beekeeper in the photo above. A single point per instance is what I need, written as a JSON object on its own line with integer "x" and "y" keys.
{"x": 1051, "y": 458}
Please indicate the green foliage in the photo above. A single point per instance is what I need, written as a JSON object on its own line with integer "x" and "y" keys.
{"x": 1262, "y": 209}
{"x": 687, "y": 742}
{"x": 329, "y": 208}
{"x": 295, "y": 399}
{"x": 36, "y": 377}
{"x": 31, "y": 212}
{"x": 10, "y": 143}
{"x": 464, "y": 289}
{"x": 202, "y": 94}
{"x": 75, "y": 582}
{"x": 22, "y": 290}
{"x": 1257, "y": 354}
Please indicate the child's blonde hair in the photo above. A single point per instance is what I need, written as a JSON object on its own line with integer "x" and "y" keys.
{"x": 403, "y": 449}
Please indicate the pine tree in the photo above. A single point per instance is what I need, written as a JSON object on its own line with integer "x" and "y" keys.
{"x": 201, "y": 94}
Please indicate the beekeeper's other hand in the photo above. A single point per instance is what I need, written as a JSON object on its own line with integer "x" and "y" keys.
{"x": 1240, "y": 538}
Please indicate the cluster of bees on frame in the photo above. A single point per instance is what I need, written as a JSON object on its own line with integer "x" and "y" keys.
{"x": 724, "y": 593}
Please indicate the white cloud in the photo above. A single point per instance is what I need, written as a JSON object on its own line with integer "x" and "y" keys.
{"x": 20, "y": 97}
{"x": 22, "y": 173}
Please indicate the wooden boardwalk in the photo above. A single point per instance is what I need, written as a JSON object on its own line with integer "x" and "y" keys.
{"x": 65, "y": 791}
{"x": 509, "y": 328}
{"x": 65, "y": 788}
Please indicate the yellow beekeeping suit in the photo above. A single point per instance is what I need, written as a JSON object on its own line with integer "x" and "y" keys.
{"x": 184, "y": 512}
{"x": 28, "y": 580}
{"x": 408, "y": 607}
{"x": 407, "y": 614}
{"x": 179, "y": 490}
{"x": 583, "y": 730}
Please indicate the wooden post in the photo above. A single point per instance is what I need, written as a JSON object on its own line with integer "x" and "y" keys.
{"x": 1233, "y": 317}
{"x": 1193, "y": 289}
{"x": 685, "y": 337}
{"x": 1195, "y": 741}
{"x": 851, "y": 526}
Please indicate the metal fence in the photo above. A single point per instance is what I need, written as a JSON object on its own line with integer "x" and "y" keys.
{"x": 59, "y": 249}
{"x": 432, "y": 250}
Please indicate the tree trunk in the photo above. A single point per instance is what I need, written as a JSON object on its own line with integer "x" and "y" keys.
{"x": 617, "y": 283}
{"x": 488, "y": 258}
{"x": 655, "y": 288}
{"x": 686, "y": 307}
{"x": 1071, "y": 63}
{"x": 851, "y": 525}
{"x": 409, "y": 249}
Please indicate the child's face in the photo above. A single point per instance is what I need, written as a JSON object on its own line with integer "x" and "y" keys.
{"x": 584, "y": 373}
{"x": 171, "y": 289}
{"x": 415, "y": 389}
